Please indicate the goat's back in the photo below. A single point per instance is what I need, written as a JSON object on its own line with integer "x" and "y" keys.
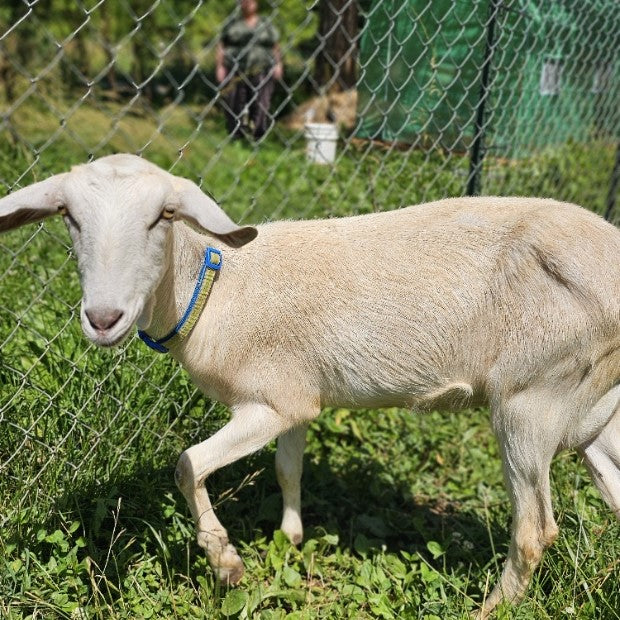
{"x": 450, "y": 298}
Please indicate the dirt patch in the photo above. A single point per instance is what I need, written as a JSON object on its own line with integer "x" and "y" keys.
{"x": 339, "y": 108}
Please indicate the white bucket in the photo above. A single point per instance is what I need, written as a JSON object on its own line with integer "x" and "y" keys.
{"x": 321, "y": 142}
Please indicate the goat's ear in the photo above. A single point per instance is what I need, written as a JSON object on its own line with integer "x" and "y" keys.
{"x": 197, "y": 208}
{"x": 31, "y": 203}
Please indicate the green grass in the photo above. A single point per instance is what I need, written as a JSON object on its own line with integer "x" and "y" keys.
{"x": 406, "y": 515}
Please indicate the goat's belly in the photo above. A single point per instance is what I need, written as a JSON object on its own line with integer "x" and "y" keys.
{"x": 419, "y": 395}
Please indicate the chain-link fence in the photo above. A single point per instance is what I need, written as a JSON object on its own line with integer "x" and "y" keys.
{"x": 428, "y": 99}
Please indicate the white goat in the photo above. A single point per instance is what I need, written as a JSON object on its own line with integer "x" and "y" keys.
{"x": 510, "y": 301}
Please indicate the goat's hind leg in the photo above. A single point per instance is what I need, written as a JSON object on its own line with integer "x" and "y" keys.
{"x": 528, "y": 429}
{"x": 602, "y": 455}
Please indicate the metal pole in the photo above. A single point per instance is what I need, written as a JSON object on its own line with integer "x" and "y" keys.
{"x": 477, "y": 146}
{"x": 613, "y": 187}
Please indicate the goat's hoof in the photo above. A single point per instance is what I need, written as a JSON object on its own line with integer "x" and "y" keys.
{"x": 482, "y": 613}
{"x": 293, "y": 529}
{"x": 229, "y": 569}
{"x": 295, "y": 537}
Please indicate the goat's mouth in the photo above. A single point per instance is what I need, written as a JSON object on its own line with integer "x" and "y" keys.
{"x": 107, "y": 341}
{"x": 106, "y": 329}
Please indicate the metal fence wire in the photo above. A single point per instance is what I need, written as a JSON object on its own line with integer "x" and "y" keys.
{"x": 428, "y": 98}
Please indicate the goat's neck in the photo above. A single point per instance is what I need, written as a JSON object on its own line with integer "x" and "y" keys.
{"x": 185, "y": 254}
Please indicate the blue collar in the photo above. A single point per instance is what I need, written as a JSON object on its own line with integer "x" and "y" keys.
{"x": 210, "y": 266}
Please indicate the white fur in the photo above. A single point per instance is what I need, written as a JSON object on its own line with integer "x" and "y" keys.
{"x": 514, "y": 302}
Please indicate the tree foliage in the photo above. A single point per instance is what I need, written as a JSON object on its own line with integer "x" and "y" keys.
{"x": 148, "y": 46}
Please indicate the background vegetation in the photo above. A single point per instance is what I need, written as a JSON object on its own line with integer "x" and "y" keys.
{"x": 406, "y": 515}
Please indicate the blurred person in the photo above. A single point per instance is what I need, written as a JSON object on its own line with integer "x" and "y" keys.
{"x": 248, "y": 62}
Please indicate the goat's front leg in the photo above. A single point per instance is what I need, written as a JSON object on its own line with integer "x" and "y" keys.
{"x": 250, "y": 428}
{"x": 289, "y": 465}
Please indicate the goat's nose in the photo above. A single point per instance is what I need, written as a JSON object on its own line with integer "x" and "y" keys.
{"x": 104, "y": 318}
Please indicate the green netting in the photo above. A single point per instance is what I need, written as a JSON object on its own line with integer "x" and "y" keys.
{"x": 554, "y": 72}
{"x": 579, "y": 43}
{"x": 409, "y": 68}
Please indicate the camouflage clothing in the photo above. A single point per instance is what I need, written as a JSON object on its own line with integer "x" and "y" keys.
{"x": 249, "y": 50}
{"x": 252, "y": 94}
{"x": 248, "y": 87}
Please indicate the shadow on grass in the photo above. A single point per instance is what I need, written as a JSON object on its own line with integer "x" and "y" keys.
{"x": 128, "y": 518}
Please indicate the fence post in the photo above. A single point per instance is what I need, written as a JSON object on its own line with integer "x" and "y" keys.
{"x": 477, "y": 146}
{"x": 613, "y": 186}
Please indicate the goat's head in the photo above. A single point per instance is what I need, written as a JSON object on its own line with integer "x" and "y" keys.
{"x": 119, "y": 210}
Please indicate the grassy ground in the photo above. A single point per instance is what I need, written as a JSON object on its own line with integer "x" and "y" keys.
{"x": 406, "y": 515}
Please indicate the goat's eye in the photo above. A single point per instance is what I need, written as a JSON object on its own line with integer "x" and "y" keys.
{"x": 62, "y": 210}
{"x": 167, "y": 214}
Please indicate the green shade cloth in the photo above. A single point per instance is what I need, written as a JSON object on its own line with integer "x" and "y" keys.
{"x": 554, "y": 73}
